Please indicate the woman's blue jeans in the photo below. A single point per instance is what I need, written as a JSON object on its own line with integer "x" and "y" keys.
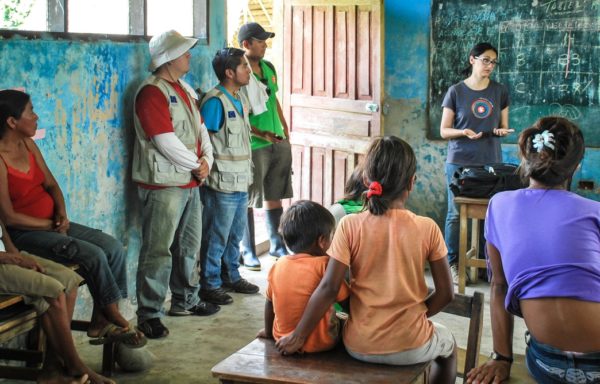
{"x": 101, "y": 257}
{"x": 225, "y": 217}
{"x": 452, "y": 227}
{"x": 551, "y": 365}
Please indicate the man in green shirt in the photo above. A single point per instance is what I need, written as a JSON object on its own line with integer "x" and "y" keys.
{"x": 271, "y": 150}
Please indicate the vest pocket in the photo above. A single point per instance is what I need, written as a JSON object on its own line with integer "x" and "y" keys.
{"x": 232, "y": 176}
{"x": 234, "y": 136}
{"x": 164, "y": 172}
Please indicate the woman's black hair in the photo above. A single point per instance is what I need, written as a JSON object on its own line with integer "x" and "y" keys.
{"x": 477, "y": 50}
{"x": 392, "y": 163}
{"x": 303, "y": 223}
{"x": 355, "y": 185}
{"x": 12, "y": 104}
{"x": 551, "y": 166}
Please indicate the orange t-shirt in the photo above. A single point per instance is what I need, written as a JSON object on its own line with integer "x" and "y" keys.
{"x": 387, "y": 256}
{"x": 292, "y": 280}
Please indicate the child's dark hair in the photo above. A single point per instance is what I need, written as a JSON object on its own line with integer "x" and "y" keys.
{"x": 477, "y": 50}
{"x": 390, "y": 162}
{"x": 355, "y": 185}
{"x": 12, "y": 104}
{"x": 303, "y": 223}
{"x": 550, "y": 150}
{"x": 226, "y": 58}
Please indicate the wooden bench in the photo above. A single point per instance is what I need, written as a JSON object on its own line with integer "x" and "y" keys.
{"x": 17, "y": 318}
{"x": 260, "y": 362}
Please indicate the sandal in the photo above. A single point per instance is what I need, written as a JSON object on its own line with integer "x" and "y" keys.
{"x": 112, "y": 333}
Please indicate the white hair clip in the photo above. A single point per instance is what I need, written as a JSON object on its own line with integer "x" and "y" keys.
{"x": 544, "y": 139}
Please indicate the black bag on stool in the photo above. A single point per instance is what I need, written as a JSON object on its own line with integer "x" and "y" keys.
{"x": 484, "y": 181}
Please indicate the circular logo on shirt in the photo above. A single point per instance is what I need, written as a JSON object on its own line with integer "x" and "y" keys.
{"x": 482, "y": 108}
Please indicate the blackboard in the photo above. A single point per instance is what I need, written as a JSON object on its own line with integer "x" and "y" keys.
{"x": 548, "y": 50}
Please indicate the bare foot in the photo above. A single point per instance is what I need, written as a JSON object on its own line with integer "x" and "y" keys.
{"x": 95, "y": 378}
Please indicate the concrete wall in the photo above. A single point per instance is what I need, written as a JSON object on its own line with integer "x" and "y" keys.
{"x": 82, "y": 92}
{"x": 406, "y": 88}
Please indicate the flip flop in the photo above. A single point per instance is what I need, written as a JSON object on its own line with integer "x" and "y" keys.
{"x": 110, "y": 334}
{"x": 131, "y": 341}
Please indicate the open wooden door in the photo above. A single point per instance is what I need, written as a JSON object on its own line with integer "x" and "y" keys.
{"x": 332, "y": 90}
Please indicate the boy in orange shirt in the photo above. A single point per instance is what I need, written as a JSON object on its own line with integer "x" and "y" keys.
{"x": 307, "y": 229}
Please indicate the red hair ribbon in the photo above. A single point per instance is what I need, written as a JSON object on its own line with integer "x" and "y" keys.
{"x": 375, "y": 189}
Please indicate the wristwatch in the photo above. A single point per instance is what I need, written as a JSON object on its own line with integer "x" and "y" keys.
{"x": 496, "y": 356}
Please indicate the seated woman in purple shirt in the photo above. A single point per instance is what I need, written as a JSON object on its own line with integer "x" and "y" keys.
{"x": 543, "y": 245}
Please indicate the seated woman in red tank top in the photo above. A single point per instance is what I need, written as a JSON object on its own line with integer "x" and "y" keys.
{"x": 33, "y": 208}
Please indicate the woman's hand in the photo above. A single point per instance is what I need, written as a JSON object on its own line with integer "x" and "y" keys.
{"x": 493, "y": 371}
{"x": 502, "y": 131}
{"x": 61, "y": 223}
{"x": 16, "y": 258}
{"x": 290, "y": 344}
{"x": 471, "y": 134}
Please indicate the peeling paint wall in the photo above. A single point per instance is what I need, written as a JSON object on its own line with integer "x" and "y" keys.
{"x": 82, "y": 92}
{"x": 406, "y": 90}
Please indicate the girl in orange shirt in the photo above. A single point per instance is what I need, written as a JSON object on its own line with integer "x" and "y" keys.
{"x": 386, "y": 248}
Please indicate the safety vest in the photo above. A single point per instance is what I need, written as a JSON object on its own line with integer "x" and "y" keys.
{"x": 232, "y": 169}
{"x": 149, "y": 165}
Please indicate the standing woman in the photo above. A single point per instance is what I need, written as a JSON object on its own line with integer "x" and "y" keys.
{"x": 33, "y": 208}
{"x": 474, "y": 117}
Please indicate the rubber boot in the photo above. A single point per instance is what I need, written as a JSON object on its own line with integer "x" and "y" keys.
{"x": 277, "y": 248}
{"x": 248, "y": 247}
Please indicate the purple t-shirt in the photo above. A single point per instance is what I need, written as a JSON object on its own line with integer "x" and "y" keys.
{"x": 480, "y": 111}
{"x": 549, "y": 242}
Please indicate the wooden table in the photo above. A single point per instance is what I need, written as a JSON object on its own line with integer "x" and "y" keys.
{"x": 474, "y": 209}
{"x": 260, "y": 362}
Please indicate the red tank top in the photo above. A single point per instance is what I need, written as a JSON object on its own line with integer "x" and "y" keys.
{"x": 27, "y": 192}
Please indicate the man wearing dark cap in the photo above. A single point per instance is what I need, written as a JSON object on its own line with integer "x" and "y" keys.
{"x": 271, "y": 151}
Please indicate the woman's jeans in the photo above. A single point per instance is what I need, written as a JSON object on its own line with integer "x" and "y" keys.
{"x": 452, "y": 228}
{"x": 101, "y": 257}
{"x": 551, "y": 365}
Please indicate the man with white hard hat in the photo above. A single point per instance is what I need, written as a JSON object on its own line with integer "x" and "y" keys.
{"x": 172, "y": 156}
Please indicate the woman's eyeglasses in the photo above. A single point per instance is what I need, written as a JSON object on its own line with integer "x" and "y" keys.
{"x": 486, "y": 61}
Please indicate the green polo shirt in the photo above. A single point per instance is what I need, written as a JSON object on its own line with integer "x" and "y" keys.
{"x": 268, "y": 120}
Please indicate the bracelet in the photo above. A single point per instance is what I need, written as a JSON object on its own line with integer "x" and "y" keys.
{"x": 498, "y": 357}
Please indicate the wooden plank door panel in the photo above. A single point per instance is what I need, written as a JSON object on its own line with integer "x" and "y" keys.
{"x": 333, "y": 68}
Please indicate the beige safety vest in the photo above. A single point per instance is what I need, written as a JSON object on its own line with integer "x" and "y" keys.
{"x": 232, "y": 169}
{"x": 149, "y": 165}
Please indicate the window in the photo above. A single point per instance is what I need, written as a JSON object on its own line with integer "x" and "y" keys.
{"x": 164, "y": 15}
{"x": 98, "y": 16}
{"x": 29, "y": 15}
{"x": 111, "y": 17}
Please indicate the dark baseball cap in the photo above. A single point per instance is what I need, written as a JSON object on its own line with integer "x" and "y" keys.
{"x": 253, "y": 30}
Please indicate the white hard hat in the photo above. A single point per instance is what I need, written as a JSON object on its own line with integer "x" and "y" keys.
{"x": 168, "y": 46}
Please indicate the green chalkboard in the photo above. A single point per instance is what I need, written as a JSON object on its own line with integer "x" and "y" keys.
{"x": 549, "y": 55}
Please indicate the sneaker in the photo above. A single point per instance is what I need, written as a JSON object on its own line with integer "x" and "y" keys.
{"x": 203, "y": 308}
{"x": 454, "y": 272}
{"x": 153, "y": 328}
{"x": 216, "y": 296}
{"x": 242, "y": 286}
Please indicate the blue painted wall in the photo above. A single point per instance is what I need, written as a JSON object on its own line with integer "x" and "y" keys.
{"x": 407, "y": 29}
{"x": 82, "y": 92}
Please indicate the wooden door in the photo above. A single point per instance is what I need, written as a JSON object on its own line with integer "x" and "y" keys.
{"x": 332, "y": 90}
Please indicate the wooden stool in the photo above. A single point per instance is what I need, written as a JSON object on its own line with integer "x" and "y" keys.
{"x": 474, "y": 209}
